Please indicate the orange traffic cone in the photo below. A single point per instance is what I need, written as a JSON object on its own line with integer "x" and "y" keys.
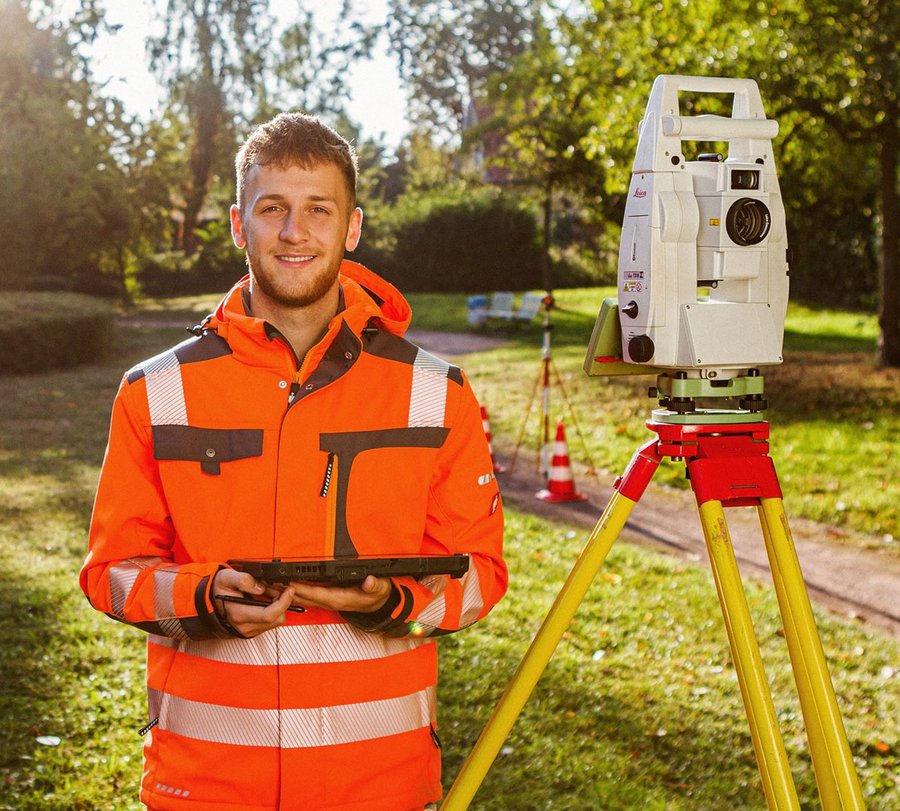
{"x": 486, "y": 424}
{"x": 560, "y": 485}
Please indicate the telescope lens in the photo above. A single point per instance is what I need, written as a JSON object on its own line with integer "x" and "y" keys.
{"x": 748, "y": 221}
{"x": 745, "y": 179}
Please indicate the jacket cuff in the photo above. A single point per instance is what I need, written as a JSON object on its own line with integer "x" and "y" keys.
{"x": 387, "y": 618}
{"x": 218, "y": 627}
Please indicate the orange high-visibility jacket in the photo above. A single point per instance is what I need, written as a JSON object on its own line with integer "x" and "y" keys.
{"x": 222, "y": 448}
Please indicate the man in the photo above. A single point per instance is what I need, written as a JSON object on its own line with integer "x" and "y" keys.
{"x": 298, "y": 422}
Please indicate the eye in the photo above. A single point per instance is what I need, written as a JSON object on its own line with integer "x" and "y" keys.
{"x": 320, "y": 210}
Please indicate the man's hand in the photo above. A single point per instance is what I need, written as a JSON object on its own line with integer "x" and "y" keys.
{"x": 368, "y": 596}
{"x": 248, "y": 620}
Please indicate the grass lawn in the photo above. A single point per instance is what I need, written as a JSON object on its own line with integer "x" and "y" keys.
{"x": 639, "y": 708}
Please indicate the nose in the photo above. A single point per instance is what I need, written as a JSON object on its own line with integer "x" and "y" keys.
{"x": 294, "y": 229}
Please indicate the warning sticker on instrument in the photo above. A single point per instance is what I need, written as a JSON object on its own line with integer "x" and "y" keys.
{"x": 633, "y": 274}
{"x": 632, "y": 287}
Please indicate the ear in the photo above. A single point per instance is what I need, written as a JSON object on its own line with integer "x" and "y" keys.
{"x": 354, "y": 229}
{"x": 237, "y": 228}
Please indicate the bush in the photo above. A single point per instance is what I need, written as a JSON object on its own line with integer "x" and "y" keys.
{"x": 462, "y": 240}
{"x": 215, "y": 267}
{"x": 51, "y": 330}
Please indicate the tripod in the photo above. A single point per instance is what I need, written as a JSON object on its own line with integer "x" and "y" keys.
{"x": 726, "y": 455}
{"x": 543, "y": 380}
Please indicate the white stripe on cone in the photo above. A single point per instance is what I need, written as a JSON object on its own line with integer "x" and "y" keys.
{"x": 560, "y": 484}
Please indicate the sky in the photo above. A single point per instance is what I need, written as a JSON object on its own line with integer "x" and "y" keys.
{"x": 377, "y": 100}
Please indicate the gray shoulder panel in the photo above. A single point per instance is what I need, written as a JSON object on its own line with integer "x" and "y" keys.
{"x": 205, "y": 347}
{"x": 385, "y": 345}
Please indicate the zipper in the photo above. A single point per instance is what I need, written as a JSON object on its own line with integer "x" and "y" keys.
{"x": 145, "y": 729}
{"x": 295, "y": 388}
{"x": 326, "y": 483}
{"x": 330, "y": 494}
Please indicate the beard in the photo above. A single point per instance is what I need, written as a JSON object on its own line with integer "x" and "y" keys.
{"x": 291, "y": 289}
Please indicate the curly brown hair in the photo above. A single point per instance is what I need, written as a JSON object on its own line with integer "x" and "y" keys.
{"x": 295, "y": 139}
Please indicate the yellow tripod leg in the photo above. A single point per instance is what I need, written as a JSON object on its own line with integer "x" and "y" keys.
{"x": 771, "y": 757}
{"x": 832, "y": 760}
{"x": 542, "y": 647}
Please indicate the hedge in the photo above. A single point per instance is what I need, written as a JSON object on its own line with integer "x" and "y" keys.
{"x": 44, "y": 330}
{"x": 460, "y": 240}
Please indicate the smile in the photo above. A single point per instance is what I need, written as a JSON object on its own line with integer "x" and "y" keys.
{"x": 291, "y": 259}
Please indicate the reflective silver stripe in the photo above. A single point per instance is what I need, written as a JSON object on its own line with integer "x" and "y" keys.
{"x": 433, "y": 614}
{"x": 164, "y": 641}
{"x": 165, "y": 390}
{"x": 298, "y": 728}
{"x": 472, "y": 601}
{"x": 154, "y": 702}
{"x": 163, "y": 593}
{"x": 428, "y": 397}
{"x": 173, "y": 627}
{"x": 121, "y": 581}
{"x": 301, "y": 645}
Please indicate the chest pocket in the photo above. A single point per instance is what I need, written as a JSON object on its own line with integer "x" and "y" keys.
{"x": 208, "y": 446}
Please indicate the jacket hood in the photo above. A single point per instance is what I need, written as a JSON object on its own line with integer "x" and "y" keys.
{"x": 363, "y": 288}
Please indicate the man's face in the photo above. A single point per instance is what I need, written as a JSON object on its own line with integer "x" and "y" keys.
{"x": 295, "y": 225}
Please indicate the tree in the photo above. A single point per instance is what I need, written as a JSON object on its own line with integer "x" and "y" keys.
{"x": 211, "y": 55}
{"x": 224, "y": 64}
{"x": 61, "y": 189}
{"x": 541, "y": 110}
{"x": 844, "y": 73}
{"x": 447, "y": 51}
{"x": 308, "y": 68}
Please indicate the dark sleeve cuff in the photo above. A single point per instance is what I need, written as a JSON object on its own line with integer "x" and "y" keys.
{"x": 217, "y": 627}
{"x": 393, "y": 613}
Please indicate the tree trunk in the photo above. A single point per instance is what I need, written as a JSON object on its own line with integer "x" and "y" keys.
{"x": 548, "y": 224}
{"x": 209, "y": 114}
{"x": 206, "y": 104}
{"x": 889, "y": 277}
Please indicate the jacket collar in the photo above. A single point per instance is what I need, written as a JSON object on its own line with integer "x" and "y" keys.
{"x": 365, "y": 298}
